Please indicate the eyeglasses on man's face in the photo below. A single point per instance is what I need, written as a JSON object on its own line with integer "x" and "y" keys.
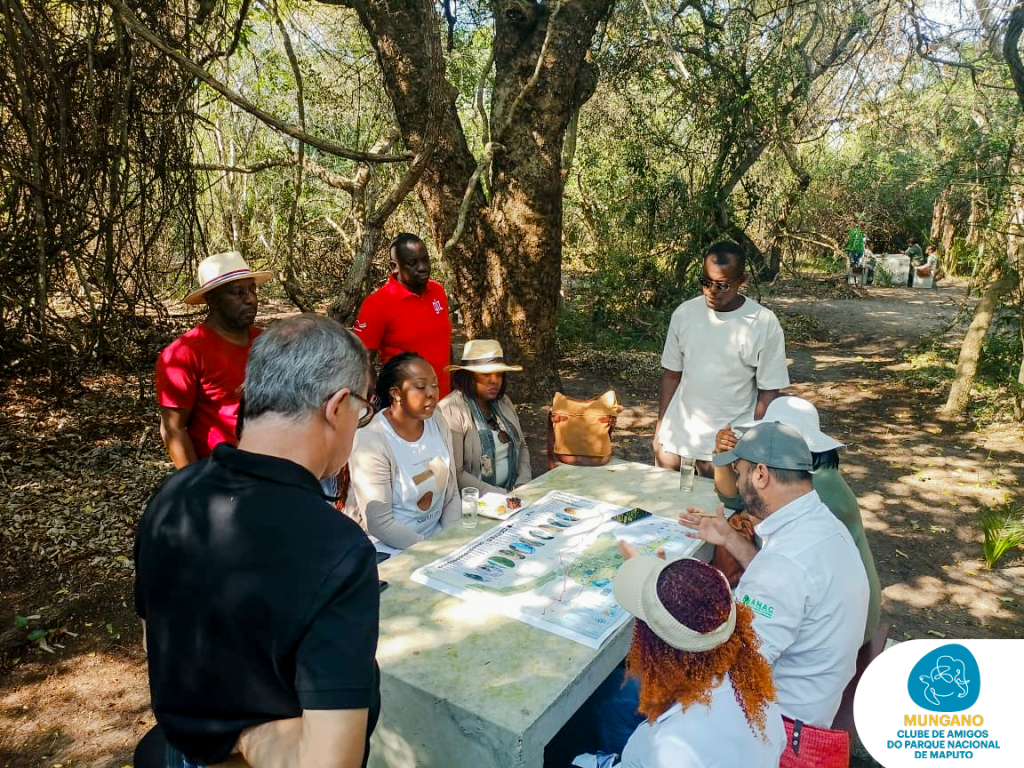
{"x": 365, "y": 410}
{"x": 718, "y": 285}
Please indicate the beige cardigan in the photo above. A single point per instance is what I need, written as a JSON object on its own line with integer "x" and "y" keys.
{"x": 373, "y": 468}
{"x": 466, "y": 442}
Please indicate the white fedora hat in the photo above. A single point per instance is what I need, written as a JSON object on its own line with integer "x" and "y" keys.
{"x": 802, "y": 416}
{"x": 636, "y": 589}
{"x": 483, "y": 356}
{"x": 221, "y": 268}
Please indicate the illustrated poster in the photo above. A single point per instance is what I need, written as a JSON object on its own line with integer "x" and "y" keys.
{"x": 552, "y": 565}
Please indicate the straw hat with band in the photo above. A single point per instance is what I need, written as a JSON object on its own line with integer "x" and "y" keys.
{"x": 802, "y": 416}
{"x": 483, "y": 356}
{"x": 636, "y": 590}
{"x": 221, "y": 269}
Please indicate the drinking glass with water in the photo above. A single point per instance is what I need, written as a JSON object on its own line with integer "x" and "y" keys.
{"x": 470, "y": 503}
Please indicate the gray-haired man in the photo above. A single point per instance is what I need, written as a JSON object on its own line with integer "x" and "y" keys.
{"x": 259, "y": 600}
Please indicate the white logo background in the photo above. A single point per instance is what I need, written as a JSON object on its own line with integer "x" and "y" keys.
{"x": 882, "y": 701}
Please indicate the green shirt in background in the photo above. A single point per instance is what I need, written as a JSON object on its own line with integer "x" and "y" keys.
{"x": 915, "y": 253}
{"x": 838, "y": 497}
{"x": 855, "y": 242}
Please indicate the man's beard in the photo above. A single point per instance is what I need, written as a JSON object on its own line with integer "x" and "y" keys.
{"x": 753, "y": 502}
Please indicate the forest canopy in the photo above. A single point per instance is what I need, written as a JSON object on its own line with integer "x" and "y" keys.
{"x": 567, "y": 161}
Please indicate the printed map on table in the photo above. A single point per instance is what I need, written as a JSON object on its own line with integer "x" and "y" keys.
{"x": 552, "y": 565}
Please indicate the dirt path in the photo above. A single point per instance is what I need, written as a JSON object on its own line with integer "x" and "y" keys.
{"x": 921, "y": 484}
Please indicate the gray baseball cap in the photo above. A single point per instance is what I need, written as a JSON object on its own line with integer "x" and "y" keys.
{"x": 770, "y": 443}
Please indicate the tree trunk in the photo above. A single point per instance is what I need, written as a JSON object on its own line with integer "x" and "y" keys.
{"x": 970, "y": 349}
{"x": 780, "y": 227}
{"x": 507, "y": 263}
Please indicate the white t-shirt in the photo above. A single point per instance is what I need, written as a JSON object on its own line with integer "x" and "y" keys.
{"x": 417, "y": 491}
{"x": 725, "y": 357}
{"x": 500, "y": 460}
{"x": 809, "y": 593}
{"x": 715, "y": 736}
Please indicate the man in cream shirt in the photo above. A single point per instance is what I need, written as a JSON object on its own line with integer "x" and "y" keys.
{"x": 724, "y": 360}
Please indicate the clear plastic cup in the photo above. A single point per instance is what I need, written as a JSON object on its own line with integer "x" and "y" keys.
{"x": 470, "y": 504}
{"x": 687, "y": 467}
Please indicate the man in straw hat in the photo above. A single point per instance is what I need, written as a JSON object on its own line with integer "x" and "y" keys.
{"x": 199, "y": 375}
{"x": 807, "y": 585}
{"x": 409, "y": 313}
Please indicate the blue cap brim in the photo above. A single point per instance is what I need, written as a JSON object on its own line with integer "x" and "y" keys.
{"x": 724, "y": 459}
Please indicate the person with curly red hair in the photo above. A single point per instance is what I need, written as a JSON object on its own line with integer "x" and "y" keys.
{"x": 705, "y": 692}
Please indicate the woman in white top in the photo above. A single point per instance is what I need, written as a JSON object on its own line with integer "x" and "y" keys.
{"x": 705, "y": 691}
{"x": 403, "y": 487}
{"x": 490, "y": 452}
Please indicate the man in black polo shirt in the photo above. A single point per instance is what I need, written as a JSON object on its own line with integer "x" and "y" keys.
{"x": 259, "y": 600}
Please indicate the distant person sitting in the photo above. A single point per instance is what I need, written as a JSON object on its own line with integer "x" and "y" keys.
{"x": 403, "y": 482}
{"x": 916, "y": 258}
{"x": 199, "y": 375}
{"x": 724, "y": 360}
{"x": 806, "y": 585}
{"x": 926, "y": 274}
{"x": 826, "y": 479}
{"x": 409, "y": 313}
{"x": 490, "y": 452}
{"x": 868, "y": 262}
{"x": 704, "y": 693}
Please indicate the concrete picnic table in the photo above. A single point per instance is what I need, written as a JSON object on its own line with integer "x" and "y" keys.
{"x": 464, "y": 686}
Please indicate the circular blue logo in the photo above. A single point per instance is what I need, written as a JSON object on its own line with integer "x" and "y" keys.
{"x": 945, "y": 680}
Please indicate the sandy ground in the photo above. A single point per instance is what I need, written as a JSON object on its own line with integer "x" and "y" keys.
{"x": 921, "y": 483}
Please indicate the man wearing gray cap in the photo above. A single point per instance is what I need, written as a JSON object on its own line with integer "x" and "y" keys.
{"x": 806, "y": 585}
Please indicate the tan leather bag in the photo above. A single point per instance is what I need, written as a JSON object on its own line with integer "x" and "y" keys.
{"x": 581, "y": 429}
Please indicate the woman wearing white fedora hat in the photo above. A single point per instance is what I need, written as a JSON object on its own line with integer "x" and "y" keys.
{"x": 490, "y": 452}
{"x": 705, "y": 692}
{"x": 835, "y": 494}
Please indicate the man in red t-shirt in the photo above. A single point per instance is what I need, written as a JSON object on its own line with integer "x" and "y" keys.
{"x": 199, "y": 375}
{"x": 409, "y": 313}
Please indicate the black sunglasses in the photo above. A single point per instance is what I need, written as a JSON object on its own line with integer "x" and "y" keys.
{"x": 503, "y": 436}
{"x": 718, "y": 285}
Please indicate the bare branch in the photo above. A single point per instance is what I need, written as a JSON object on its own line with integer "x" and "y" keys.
{"x": 485, "y": 128}
{"x": 482, "y": 166}
{"x": 362, "y": 174}
{"x": 236, "y": 37}
{"x": 133, "y": 23}
{"x": 677, "y": 60}
{"x": 262, "y": 165}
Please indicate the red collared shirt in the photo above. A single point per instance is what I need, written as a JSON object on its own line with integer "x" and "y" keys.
{"x": 393, "y": 320}
{"x": 203, "y": 371}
